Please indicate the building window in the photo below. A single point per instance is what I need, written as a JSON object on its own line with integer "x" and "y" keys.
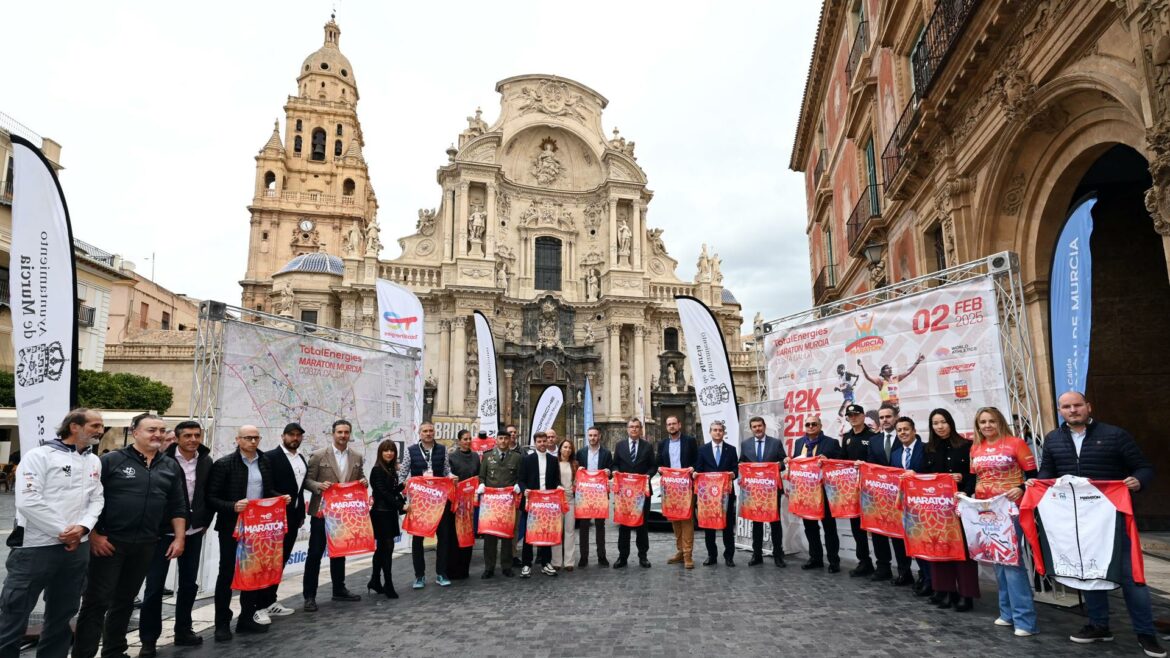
{"x": 347, "y": 187}
{"x": 670, "y": 339}
{"x": 918, "y": 65}
{"x": 270, "y": 181}
{"x": 299, "y": 125}
{"x": 548, "y": 264}
{"x": 340, "y": 130}
{"x": 939, "y": 247}
{"x": 337, "y": 148}
{"x": 309, "y": 317}
{"x": 830, "y": 259}
{"x": 166, "y": 320}
{"x": 143, "y": 315}
{"x": 4, "y": 301}
{"x": 318, "y": 145}
{"x": 297, "y": 144}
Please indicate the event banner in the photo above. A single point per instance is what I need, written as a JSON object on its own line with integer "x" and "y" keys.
{"x": 544, "y": 414}
{"x": 1070, "y": 301}
{"x": 806, "y": 498}
{"x": 591, "y": 495}
{"x": 939, "y": 348}
{"x": 400, "y": 321}
{"x": 932, "y": 528}
{"x": 463, "y": 506}
{"x": 842, "y": 481}
{"x": 346, "y": 508}
{"x": 758, "y": 491}
{"x": 426, "y": 497}
{"x": 629, "y": 499}
{"x": 42, "y": 293}
{"x": 676, "y": 487}
{"x": 710, "y": 369}
{"x": 712, "y": 490}
{"x": 587, "y": 413}
{"x": 546, "y": 517}
{"x": 879, "y": 500}
{"x": 990, "y": 529}
{"x": 489, "y": 392}
{"x": 259, "y": 537}
{"x": 497, "y": 512}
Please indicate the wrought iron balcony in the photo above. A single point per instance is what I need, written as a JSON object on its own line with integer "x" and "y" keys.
{"x": 6, "y": 192}
{"x": 86, "y": 315}
{"x": 826, "y": 281}
{"x": 867, "y": 209}
{"x": 822, "y": 164}
{"x": 860, "y": 46}
{"x": 896, "y": 149}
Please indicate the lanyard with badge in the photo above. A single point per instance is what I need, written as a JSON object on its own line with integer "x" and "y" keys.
{"x": 427, "y": 458}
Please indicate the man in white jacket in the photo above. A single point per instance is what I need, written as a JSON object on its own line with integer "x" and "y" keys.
{"x": 58, "y": 501}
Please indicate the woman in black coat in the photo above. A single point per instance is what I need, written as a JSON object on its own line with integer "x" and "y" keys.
{"x": 956, "y": 584}
{"x": 387, "y": 495}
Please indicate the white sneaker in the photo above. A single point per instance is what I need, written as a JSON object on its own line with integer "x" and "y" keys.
{"x": 526, "y": 572}
{"x": 548, "y": 570}
{"x": 278, "y": 610}
{"x": 1000, "y": 621}
{"x": 1023, "y": 633}
{"x": 261, "y": 617}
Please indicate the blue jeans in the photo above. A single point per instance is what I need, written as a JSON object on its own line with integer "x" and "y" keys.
{"x": 1015, "y": 589}
{"x": 1137, "y": 598}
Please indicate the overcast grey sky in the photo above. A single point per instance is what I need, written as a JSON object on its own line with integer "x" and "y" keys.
{"x": 160, "y": 108}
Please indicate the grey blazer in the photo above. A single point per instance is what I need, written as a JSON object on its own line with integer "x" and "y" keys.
{"x": 323, "y": 468}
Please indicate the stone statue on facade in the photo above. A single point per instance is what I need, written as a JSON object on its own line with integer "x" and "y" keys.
{"x": 510, "y": 332}
{"x": 716, "y": 274}
{"x": 502, "y": 276}
{"x": 477, "y": 223}
{"x": 671, "y": 378}
{"x": 654, "y": 237}
{"x": 473, "y": 382}
{"x": 426, "y": 222}
{"x": 703, "y": 267}
{"x": 352, "y": 242}
{"x": 284, "y": 302}
{"x": 546, "y": 168}
{"x": 592, "y": 286}
{"x": 624, "y": 236}
{"x": 549, "y": 334}
{"x": 589, "y": 338}
{"x": 373, "y": 244}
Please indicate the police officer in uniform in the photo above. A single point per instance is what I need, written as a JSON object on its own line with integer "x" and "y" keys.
{"x": 863, "y": 444}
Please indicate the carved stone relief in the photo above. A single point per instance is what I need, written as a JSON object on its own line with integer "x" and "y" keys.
{"x": 551, "y": 98}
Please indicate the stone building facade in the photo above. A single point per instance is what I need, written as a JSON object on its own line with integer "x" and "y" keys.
{"x": 541, "y": 223}
{"x": 937, "y": 133}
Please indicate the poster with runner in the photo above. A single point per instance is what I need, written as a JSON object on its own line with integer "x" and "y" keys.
{"x": 546, "y": 517}
{"x": 879, "y": 500}
{"x": 758, "y": 487}
{"x": 497, "y": 512}
{"x": 463, "y": 506}
{"x": 259, "y": 537}
{"x": 933, "y": 531}
{"x": 676, "y": 485}
{"x": 346, "y": 508}
{"x": 712, "y": 490}
{"x": 806, "y": 498}
{"x": 629, "y": 498}
{"x": 591, "y": 495}
{"x": 842, "y": 481}
{"x": 990, "y": 528}
{"x": 426, "y": 497}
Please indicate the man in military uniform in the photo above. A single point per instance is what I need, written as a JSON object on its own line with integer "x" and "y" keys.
{"x": 500, "y": 468}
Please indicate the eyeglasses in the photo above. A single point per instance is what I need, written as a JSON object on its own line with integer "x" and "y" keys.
{"x": 811, "y": 424}
{"x": 249, "y": 438}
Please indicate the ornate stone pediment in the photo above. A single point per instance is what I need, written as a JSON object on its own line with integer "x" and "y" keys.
{"x": 551, "y": 97}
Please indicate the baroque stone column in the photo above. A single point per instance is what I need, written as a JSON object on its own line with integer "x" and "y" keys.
{"x": 461, "y": 219}
{"x": 639, "y": 365}
{"x": 507, "y": 393}
{"x": 443, "y": 404}
{"x": 613, "y": 232}
{"x": 614, "y": 369}
{"x": 489, "y": 234}
{"x": 449, "y": 228}
{"x": 639, "y": 233}
{"x": 458, "y": 365}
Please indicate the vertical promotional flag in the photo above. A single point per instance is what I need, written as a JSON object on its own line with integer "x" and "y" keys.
{"x": 1070, "y": 300}
{"x": 710, "y": 369}
{"x": 546, "y": 410}
{"x": 641, "y": 407}
{"x": 43, "y": 295}
{"x": 400, "y": 321}
{"x": 489, "y": 393}
{"x": 588, "y": 411}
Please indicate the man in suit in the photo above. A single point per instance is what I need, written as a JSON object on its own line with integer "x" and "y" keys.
{"x": 593, "y": 457}
{"x": 634, "y": 455}
{"x": 814, "y": 443}
{"x": 289, "y": 468}
{"x": 235, "y": 479}
{"x": 862, "y": 444}
{"x": 761, "y": 448}
{"x": 539, "y": 470}
{"x": 715, "y": 457}
{"x": 679, "y": 451}
{"x": 879, "y": 453}
{"x": 334, "y": 464}
{"x": 909, "y": 453}
{"x": 429, "y": 458}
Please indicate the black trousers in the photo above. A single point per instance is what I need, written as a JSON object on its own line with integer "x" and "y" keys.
{"x": 317, "y": 545}
{"x": 583, "y": 533}
{"x": 758, "y": 539}
{"x": 728, "y": 533}
{"x": 150, "y": 613}
{"x": 268, "y": 596}
{"x": 112, "y": 582}
{"x": 832, "y": 546}
{"x": 642, "y": 538}
{"x": 444, "y": 535}
{"x": 881, "y": 546}
{"x": 223, "y": 586}
{"x": 385, "y": 531}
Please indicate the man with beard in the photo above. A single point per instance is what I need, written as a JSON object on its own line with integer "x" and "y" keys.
{"x": 289, "y": 467}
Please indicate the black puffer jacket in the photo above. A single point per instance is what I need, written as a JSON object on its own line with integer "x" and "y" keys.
{"x": 1107, "y": 453}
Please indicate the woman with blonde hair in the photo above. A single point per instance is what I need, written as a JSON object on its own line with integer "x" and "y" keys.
{"x": 565, "y": 555}
{"x": 1001, "y": 464}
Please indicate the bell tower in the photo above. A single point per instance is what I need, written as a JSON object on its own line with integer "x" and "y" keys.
{"x": 312, "y": 186}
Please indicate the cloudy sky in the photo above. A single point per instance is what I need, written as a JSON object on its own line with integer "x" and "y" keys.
{"x": 161, "y": 109}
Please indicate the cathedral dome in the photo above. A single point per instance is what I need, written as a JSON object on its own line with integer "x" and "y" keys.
{"x": 328, "y": 60}
{"x": 315, "y": 263}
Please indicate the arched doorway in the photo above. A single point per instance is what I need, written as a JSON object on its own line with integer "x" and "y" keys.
{"x": 1129, "y": 355}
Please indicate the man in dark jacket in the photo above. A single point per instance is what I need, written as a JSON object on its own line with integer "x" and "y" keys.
{"x": 143, "y": 488}
{"x": 715, "y": 457}
{"x": 289, "y": 467}
{"x": 635, "y": 455}
{"x": 593, "y": 457}
{"x": 763, "y": 448}
{"x": 863, "y": 444}
{"x": 679, "y": 451}
{"x": 539, "y": 470}
{"x": 814, "y": 443}
{"x": 194, "y": 459}
{"x": 1088, "y": 448}
{"x": 235, "y": 479}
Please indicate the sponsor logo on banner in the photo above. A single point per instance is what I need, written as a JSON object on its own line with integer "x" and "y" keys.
{"x": 710, "y": 369}
{"x": 867, "y": 339}
{"x": 398, "y": 326}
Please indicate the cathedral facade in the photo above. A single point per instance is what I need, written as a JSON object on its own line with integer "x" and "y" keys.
{"x": 541, "y": 224}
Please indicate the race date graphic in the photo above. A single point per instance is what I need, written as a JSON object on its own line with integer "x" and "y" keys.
{"x": 942, "y": 317}
{"x": 798, "y": 404}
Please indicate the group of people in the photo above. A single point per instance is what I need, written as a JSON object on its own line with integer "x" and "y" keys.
{"x": 110, "y": 525}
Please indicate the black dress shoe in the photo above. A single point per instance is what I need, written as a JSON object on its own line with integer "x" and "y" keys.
{"x": 755, "y": 561}
{"x": 779, "y": 560}
{"x": 711, "y": 561}
{"x": 965, "y": 604}
{"x": 516, "y": 562}
{"x": 620, "y": 564}
{"x": 187, "y": 639}
{"x": 810, "y": 565}
{"x": 729, "y": 561}
{"x": 834, "y": 568}
{"x": 249, "y": 626}
{"x": 507, "y": 573}
{"x": 926, "y": 591}
{"x": 937, "y": 597}
{"x": 603, "y": 562}
{"x": 582, "y": 563}
{"x": 347, "y": 596}
{"x": 168, "y": 591}
{"x": 880, "y": 575}
{"x": 949, "y": 601}
{"x": 860, "y": 571}
{"x": 903, "y": 580}
{"x": 487, "y": 575}
{"x": 148, "y": 649}
{"x": 223, "y": 634}
{"x": 644, "y": 563}
{"x": 310, "y": 605}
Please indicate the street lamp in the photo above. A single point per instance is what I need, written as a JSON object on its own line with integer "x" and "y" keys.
{"x": 873, "y": 253}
